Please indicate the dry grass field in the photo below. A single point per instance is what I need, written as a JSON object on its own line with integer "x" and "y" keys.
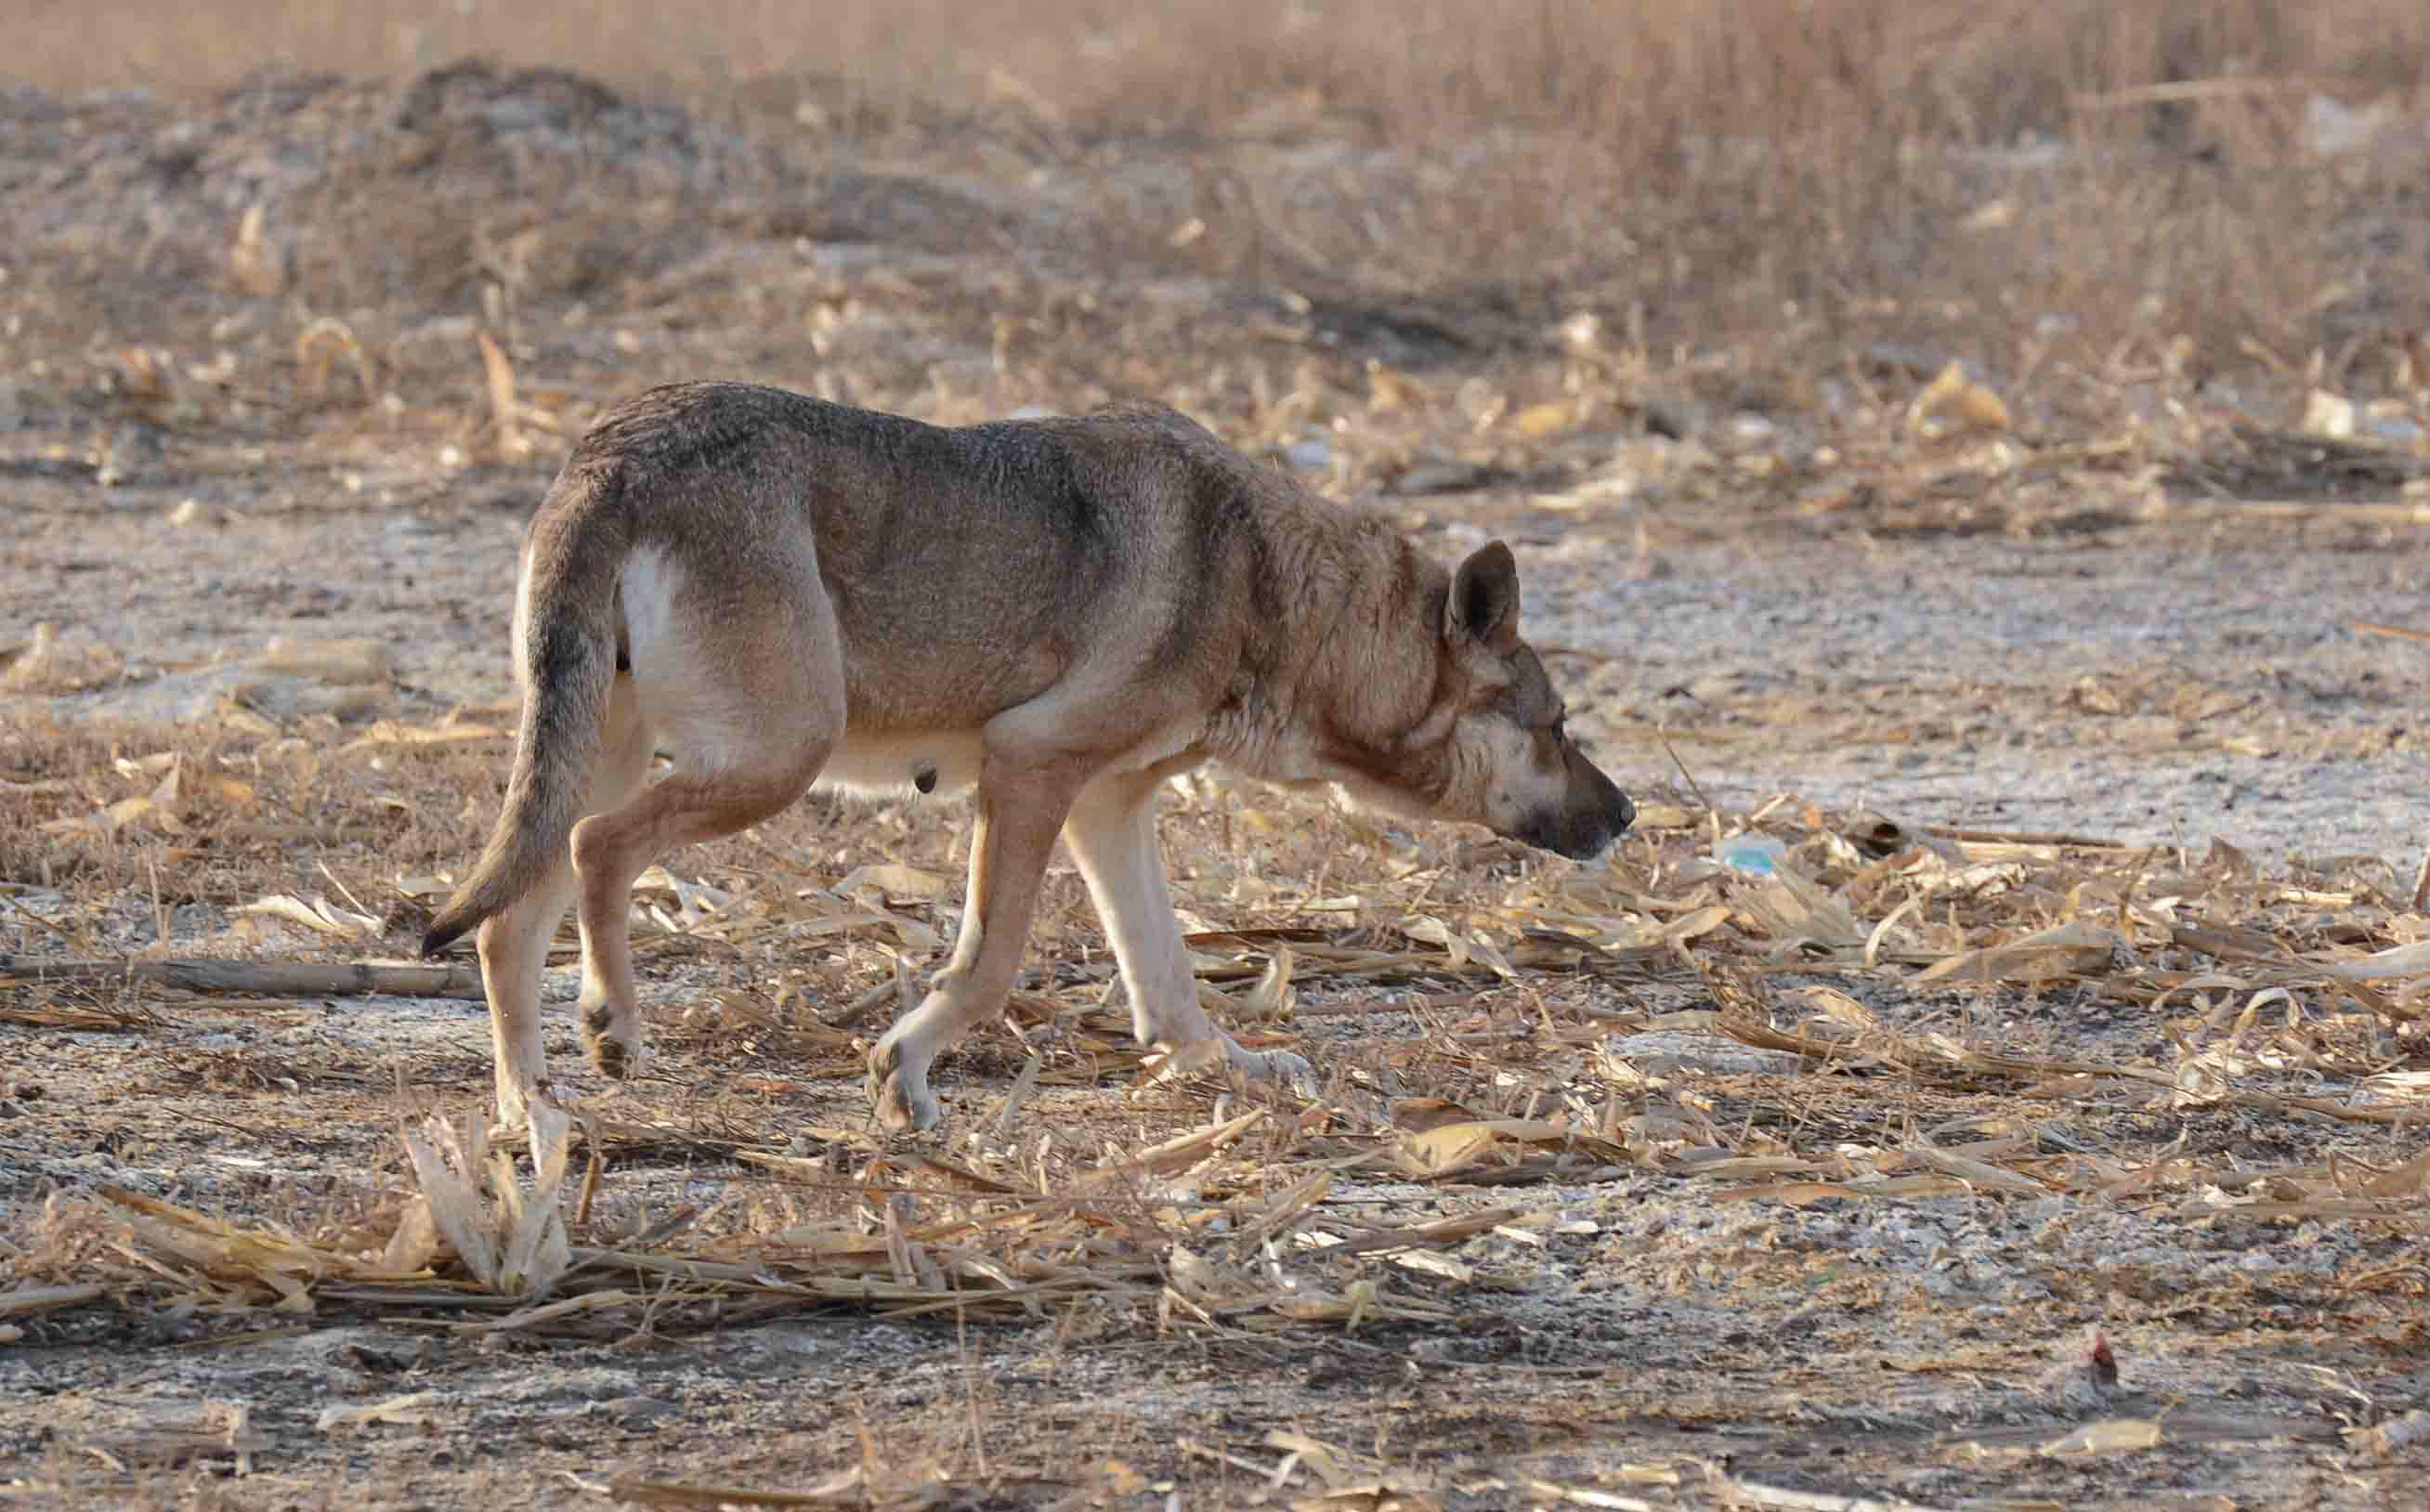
{"x": 1979, "y": 447}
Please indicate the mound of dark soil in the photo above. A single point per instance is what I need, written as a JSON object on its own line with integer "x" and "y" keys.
{"x": 404, "y": 195}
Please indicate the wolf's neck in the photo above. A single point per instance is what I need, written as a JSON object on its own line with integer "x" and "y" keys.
{"x": 1325, "y": 675}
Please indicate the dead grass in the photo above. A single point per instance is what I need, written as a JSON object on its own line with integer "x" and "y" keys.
{"x": 1519, "y": 975}
{"x": 1499, "y": 1033}
{"x": 1649, "y": 76}
{"x": 2032, "y": 188}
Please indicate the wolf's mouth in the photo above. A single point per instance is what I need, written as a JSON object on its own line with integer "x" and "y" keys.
{"x": 1580, "y": 836}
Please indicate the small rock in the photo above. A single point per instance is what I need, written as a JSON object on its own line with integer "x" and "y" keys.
{"x": 1451, "y": 476}
{"x": 2085, "y": 1382}
{"x": 2331, "y": 126}
{"x": 637, "y": 1411}
{"x": 2392, "y": 1437}
{"x": 2329, "y": 414}
{"x": 1667, "y": 419}
{"x": 1750, "y": 429}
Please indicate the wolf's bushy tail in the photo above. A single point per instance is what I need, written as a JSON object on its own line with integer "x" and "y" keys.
{"x": 568, "y": 675}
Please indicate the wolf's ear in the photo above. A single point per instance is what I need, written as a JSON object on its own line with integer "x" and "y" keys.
{"x": 1485, "y": 597}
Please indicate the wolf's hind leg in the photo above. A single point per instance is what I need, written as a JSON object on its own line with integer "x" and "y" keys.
{"x": 515, "y": 944}
{"x": 748, "y": 713}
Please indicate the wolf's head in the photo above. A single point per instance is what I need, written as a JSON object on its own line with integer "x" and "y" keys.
{"x": 1488, "y": 745}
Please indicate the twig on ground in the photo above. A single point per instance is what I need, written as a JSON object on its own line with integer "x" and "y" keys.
{"x": 283, "y": 979}
{"x": 2397, "y": 631}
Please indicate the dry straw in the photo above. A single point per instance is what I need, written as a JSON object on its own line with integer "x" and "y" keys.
{"x": 1527, "y": 986}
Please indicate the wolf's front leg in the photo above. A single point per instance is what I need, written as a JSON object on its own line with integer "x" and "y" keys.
{"x": 1111, "y": 832}
{"x": 1015, "y": 834}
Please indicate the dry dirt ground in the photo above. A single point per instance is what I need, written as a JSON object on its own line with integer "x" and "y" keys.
{"x": 1636, "y": 1183}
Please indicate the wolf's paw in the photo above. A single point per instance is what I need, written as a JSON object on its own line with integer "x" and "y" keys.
{"x": 1280, "y": 1067}
{"x": 898, "y": 1089}
{"x": 616, "y": 1054}
{"x": 514, "y": 1115}
{"x": 515, "y": 1101}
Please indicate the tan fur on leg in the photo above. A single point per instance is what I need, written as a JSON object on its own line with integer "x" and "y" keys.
{"x": 1018, "y": 819}
{"x": 749, "y": 733}
{"x": 515, "y": 944}
{"x": 1111, "y": 833}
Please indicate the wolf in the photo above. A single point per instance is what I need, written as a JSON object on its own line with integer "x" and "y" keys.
{"x": 1061, "y": 613}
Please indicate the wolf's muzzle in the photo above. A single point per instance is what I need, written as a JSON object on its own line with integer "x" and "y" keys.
{"x": 1581, "y": 831}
